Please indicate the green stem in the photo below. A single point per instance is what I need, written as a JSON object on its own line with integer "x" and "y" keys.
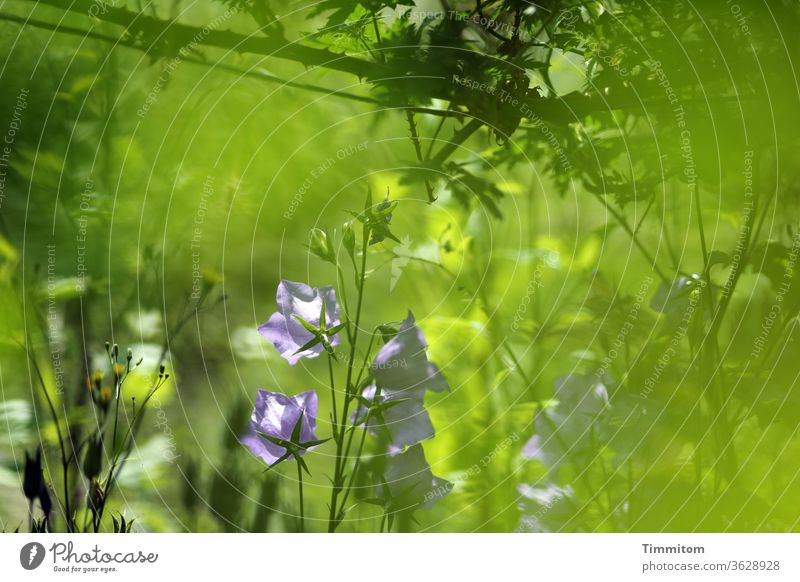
{"x": 118, "y": 391}
{"x": 334, "y": 428}
{"x": 350, "y": 481}
{"x": 128, "y": 440}
{"x": 343, "y": 297}
{"x": 701, "y": 230}
{"x": 333, "y": 519}
{"x": 300, "y": 488}
{"x": 352, "y": 429}
{"x": 64, "y": 459}
{"x": 635, "y": 239}
{"x": 364, "y": 365}
{"x": 412, "y": 128}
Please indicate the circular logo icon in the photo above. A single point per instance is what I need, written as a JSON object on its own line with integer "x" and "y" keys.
{"x": 31, "y": 555}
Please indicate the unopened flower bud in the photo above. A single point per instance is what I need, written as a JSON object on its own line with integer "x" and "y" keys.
{"x": 93, "y": 458}
{"x": 33, "y": 480}
{"x": 44, "y": 500}
{"x": 321, "y": 245}
{"x": 349, "y": 238}
{"x": 105, "y": 397}
{"x": 95, "y": 496}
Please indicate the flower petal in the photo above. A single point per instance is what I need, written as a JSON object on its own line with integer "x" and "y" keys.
{"x": 276, "y": 330}
{"x": 262, "y": 448}
{"x": 309, "y": 402}
{"x": 276, "y": 415}
{"x": 402, "y": 424}
{"x": 411, "y": 482}
{"x": 402, "y": 363}
{"x": 283, "y": 329}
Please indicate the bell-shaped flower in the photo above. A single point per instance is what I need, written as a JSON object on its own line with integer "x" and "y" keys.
{"x": 298, "y": 329}
{"x": 401, "y": 367}
{"x": 568, "y": 431}
{"x": 410, "y": 483}
{"x": 282, "y": 425}
{"x": 401, "y": 422}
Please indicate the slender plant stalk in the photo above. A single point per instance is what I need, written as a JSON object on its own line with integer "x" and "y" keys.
{"x": 343, "y": 297}
{"x": 412, "y": 128}
{"x": 624, "y": 224}
{"x": 129, "y": 439}
{"x": 302, "y": 504}
{"x": 357, "y": 383}
{"x": 350, "y": 481}
{"x": 333, "y": 519}
{"x": 334, "y": 428}
{"x": 64, "y": 459}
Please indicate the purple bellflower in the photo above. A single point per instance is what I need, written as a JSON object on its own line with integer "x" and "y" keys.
{"x": 288, "y": 334}
{"x": 410, "y": 481}
{"x": 402, "y": 371}
{"x": 277, "y": 415}
{"x": 402, "y": 366}
{"x": 403, "y": 422}
{"x": 565, "y": 433}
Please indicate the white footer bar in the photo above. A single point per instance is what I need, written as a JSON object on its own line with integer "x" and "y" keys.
{"x": 402, "y": 558}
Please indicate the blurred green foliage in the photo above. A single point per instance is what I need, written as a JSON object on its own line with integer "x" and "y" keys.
{"x": 588, "y": 160}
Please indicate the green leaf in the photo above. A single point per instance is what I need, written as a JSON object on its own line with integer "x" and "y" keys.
{"x": 336, "y": 329}
{"x": 368, "y": 202}
{"x": 349, "y": 241}
{"x": 302, "y": 464}
{"x": 387, "y": 332}
{"x": 309, "y": 344}
{"x": 717, "y": 258}
{"x": 316, "y": 443}
{"x": 305, "y": 324}
{"x": 275, "y": 440}
{"x": 279, "y": 461}
{"x": 298, "y": 427}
